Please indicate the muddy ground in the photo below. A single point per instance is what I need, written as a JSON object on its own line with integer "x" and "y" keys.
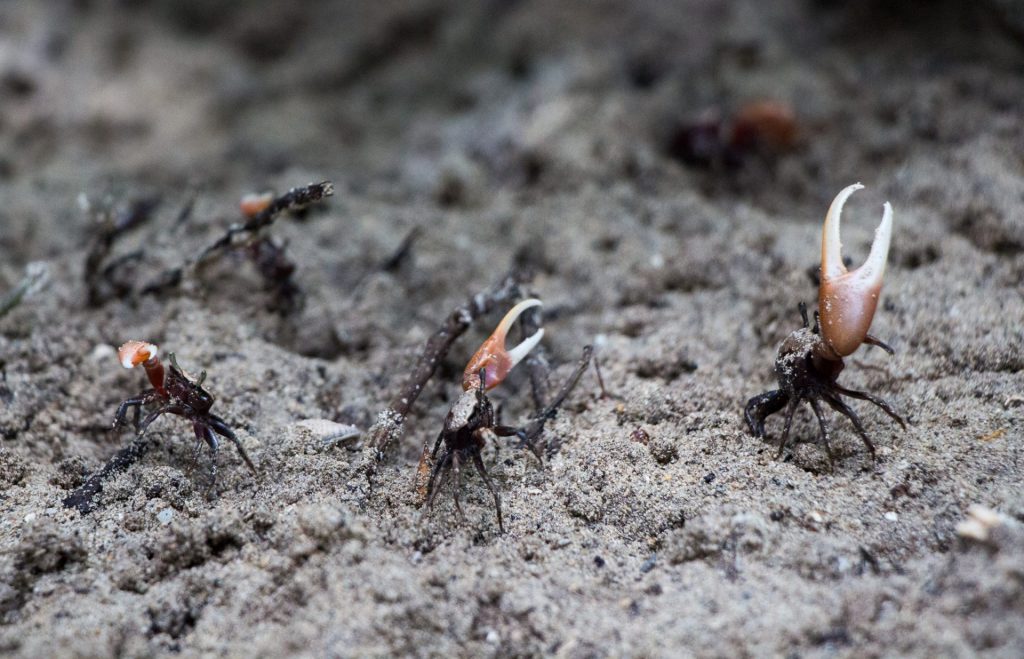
{"x": 542, "y": 136}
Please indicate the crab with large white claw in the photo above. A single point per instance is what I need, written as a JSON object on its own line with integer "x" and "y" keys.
{"x": 810, "y": 359}
{"x": 471, "y": 419}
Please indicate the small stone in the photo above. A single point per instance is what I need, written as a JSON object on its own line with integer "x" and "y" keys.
{"x": 663, "y": 449}
{"x": 979, "y": 523}
{"x": 892, "y": 516}
{"x": 165, "y": 516}
{"x": 103, "y": 352}
{"x": 640, "y": 436}
{"x": 328, "y": 432}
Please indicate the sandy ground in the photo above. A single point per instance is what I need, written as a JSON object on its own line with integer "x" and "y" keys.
{"x": 538, "y": 134}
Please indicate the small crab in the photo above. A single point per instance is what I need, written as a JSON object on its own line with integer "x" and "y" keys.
{"x": 810, "y": 359}
{"x": 472, "y": 420}
{"x": 175, "y": 393}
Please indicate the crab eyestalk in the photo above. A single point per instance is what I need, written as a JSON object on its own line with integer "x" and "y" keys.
{"x": 133, "y": 353}
{"x": 847, "y": 300}
{"x": 492, "y": 357}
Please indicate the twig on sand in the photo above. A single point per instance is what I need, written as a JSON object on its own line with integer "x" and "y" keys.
{"x": 82, "y": 498}
{"x": 37, "y": 275}
{"x": 292, "y": 200}
{"x": 99, "y": 273}
{"x": 537, "y": 363}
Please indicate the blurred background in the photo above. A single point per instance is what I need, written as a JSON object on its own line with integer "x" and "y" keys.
{"x": 461, "y": 101}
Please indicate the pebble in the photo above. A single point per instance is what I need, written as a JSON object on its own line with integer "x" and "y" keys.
{"x": 979, "y": 523}
{"x": 165, "y": 516}
{"x": 102, "y": 352}
{"x": 892, "y": 516}
{"x": 328, "y": 431}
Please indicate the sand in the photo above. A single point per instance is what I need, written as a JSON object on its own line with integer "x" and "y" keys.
{"x": 535, "y": 134}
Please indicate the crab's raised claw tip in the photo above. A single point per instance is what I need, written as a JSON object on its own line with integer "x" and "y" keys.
{"x": 847, "y": 300}
{"x": 133, "y": 353}
{"x": 518, "y": 353}
{"x": 495, "y": 360}
{"x": 831, "y": 245}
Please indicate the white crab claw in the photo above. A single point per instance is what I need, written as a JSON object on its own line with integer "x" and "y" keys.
{"x": 847, "y": 300}
{"x": 133, "y": 353}
{"x": 493, "y": 356}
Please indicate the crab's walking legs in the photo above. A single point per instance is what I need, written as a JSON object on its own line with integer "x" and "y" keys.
{"x": 478, "y": 461}
{"x": 790, "y": 411}
{"x": 761, "y": 407}
{"x": 135, "y": 404}
{"x": 862, "y": 395}
{"x": 218, "y": 426}
{"x": 839, "y": 406}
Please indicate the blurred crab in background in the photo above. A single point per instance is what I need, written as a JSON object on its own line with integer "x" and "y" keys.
{"x": 811, "y": 358}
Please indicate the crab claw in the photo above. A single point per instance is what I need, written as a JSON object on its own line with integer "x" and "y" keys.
{"x": 492, "y": 355}
{"x": 133, "y": 353}
{"x": 847, "y": 300}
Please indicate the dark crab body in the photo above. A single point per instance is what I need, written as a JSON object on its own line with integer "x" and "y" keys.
{"x": 810, "y": 359}
{"x": 803, "y": 375}
{"x": 175, "y": 393}
{"x": 466, "y": 427}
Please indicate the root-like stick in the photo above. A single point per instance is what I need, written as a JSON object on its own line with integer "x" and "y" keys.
{"x": 600, "y": 381}
{"x": 37, "y": 275}
{"x": 388, "y": 428}
{"x": 277, "y": 269}
{"x": 400, "y": 255}
{"x": 82, "y": 498}
{"x": 293, "y": 199}
{"x": 537, "y": 361}
{"x": 536, "y": 425}
{"x": 98, "y": 274}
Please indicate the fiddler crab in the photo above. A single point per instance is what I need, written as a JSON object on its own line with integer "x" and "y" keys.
{"x": 811, "y": 358}
{"x": 175, "y": 393}
{"x": 471, "y": 419}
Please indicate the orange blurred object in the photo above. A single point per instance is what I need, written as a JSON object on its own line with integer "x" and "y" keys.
{"x": 764, "y": 123}
{"x": 255, "y": 203}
